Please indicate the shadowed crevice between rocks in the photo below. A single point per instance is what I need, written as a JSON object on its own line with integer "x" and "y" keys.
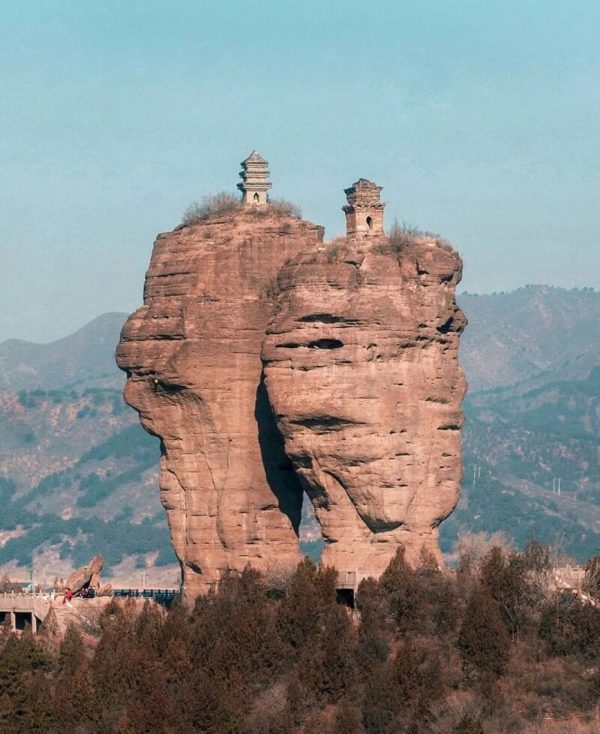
{"x": 326, "y": 344}
{"x": 279, "y": 471}
{"x": 325, "y": 423}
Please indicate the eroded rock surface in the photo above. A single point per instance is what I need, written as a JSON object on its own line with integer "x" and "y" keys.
{"x": 86, "y": 576}
{"x": 192, "y": 354}
{"x": 361, "y": 367}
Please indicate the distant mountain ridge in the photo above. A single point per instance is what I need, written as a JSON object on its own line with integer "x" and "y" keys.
{"x": 85, "y": 358}
{"x": 535, "y": 334}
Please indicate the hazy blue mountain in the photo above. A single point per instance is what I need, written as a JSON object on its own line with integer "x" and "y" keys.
{"x": 535, "y": 334}
{"x": 83, "y": 359}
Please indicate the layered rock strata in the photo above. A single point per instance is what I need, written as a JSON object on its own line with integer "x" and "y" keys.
{"x": 192, "y": 355}
{"x": 361, "y": 367}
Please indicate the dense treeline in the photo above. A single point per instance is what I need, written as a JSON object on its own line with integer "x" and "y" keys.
{"x": 490, "y": 648}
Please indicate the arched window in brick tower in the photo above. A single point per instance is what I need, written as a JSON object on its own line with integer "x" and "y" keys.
{"x": 369, "y": 222}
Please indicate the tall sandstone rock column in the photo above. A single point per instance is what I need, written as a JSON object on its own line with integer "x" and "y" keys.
{"x": 192, "y": 356}
{"x": 361, "y": 366}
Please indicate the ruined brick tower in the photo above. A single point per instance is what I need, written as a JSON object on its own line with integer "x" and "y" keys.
{"x": 255, "y": 180}
{"x": 364, "y": 210}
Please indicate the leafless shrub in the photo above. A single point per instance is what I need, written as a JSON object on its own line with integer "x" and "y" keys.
{"x": 553, "y": 687}
{"x": 591, "y": 581}
{"x": 472, "y": 548}
{"x": 268, "y": 710}
{"x": 447, "y": 714}
{"x": 278, "y": 208}
{"x": 336, "y": 249}
{"x": 277, "y": 577}
{"x": 570, "y": 725}
{"x": 400, "y": 233}
{"x": 403, "y": 235}
{"x": 283, "y": 208}
{"x": 7, "y": 586}
{"x": 331, "y": 254}
{"x": 221, "y": 203}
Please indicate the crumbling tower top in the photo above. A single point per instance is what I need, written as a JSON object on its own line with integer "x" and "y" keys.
{"x": 255, "y": 180}
{"x": 364, "y": 210}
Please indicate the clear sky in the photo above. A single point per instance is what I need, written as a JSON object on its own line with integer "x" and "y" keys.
{"x": 479, "y": 119}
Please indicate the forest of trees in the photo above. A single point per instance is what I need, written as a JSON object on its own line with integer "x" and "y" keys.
{"x": 492, "y": 647}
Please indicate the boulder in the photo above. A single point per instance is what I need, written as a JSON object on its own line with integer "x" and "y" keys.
{"x": 192, "y": 357}
{"x": 362, "y": 372}
{"x": 85, "y": 576}
{"x": 269, "y": 364}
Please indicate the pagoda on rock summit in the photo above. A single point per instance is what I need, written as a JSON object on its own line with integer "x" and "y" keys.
{"x": 255, "y": 180}
{"x": 364, "y": 210}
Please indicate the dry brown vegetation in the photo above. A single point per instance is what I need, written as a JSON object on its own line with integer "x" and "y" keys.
{"x": 491, "y": 649}
{"x": 226, "y": 203}
{"x": 7, "y": 586}
{"x": 283, "y": 208}
{"x": 221, "y": 203}
{"x": 403, "y": 235}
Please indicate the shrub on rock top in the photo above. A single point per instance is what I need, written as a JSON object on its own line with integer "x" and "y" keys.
{"x": 221, "y": 203}
{"x": 225, "y": 202}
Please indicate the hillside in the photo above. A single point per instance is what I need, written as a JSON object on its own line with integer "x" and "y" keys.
{"x": 78, "y": 474}
{"x": 535, "y": 334}
{"x": 517, "y": 445}
{"x": 83, "y": 359}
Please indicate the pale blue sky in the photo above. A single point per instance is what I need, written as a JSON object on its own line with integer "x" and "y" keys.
{"x": 479, "y": 119}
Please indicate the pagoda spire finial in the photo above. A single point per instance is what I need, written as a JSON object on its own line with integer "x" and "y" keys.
{"x": 255, "y": 180}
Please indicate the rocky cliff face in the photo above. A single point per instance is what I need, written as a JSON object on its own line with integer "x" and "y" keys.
{"x": 192, "y": 354}
{"x": 269, "y": 363}
{"x": 361, "y": 366}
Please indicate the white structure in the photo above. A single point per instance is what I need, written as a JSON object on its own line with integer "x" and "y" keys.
{"x": 255, "y": 180}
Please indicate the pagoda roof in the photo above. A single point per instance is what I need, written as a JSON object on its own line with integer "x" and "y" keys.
{"x": 361, "y": 186}
{"x": 364, "y": 183}
{"x": 254, "y": 157}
